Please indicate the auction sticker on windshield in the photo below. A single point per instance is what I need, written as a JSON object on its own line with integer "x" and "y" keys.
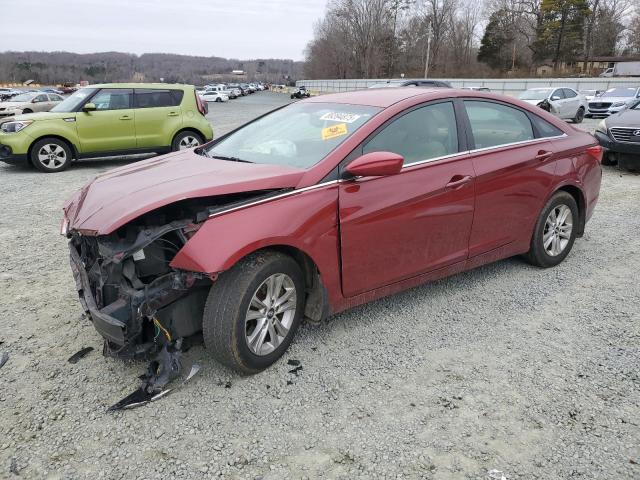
{"x": 334, "y": 131}
{"x": 340, "y": 117}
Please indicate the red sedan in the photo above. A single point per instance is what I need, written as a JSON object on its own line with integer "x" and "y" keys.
{"x": 314, "y": 208}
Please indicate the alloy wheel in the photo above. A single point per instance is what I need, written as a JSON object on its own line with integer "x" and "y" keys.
{"x": 557, "y": 230}
{"x": 188, "y": 142}
{"x": 270, "y": 314}
{"x": 52, "y": 156}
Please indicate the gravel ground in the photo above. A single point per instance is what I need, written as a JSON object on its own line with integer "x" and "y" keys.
{"x": 506, "y": 371}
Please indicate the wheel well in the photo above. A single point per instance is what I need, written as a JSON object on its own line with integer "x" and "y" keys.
{"x": 189, "y": 129}
{"x": 317, "y": 302}
{"x": 69, "y": 144}
{"x": 578, "y": 196}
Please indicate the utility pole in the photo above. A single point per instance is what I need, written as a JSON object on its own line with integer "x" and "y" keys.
{"x": 426, "y": 63}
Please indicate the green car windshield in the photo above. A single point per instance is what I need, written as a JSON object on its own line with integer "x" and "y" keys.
{"x": 71, "y": 103}
{"x": 299, "y": 135}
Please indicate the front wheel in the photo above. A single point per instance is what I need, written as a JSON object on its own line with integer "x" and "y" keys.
{"x": 51, "y": 155}
{"x": 253, "y": 311}
{"x": 185, "y": 140}
{"x": 555, "y": 231}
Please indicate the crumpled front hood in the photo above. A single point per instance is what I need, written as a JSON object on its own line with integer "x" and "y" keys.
{"x": 123, "y": 194}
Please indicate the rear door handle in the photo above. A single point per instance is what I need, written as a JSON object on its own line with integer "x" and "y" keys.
{"x": 125, "y": 117}
{"x": 543, "y": 155}
{"x": 458, "y": 181}
{"x": 173, "y": 114}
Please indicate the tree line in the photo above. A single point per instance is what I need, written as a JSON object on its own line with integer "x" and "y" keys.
{"x": 52, "y": 68}
{"x": 458, "y": 38}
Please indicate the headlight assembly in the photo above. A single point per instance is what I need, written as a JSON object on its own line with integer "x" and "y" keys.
{"x": 618, "y": 104}
{"x": 15, "y": 127}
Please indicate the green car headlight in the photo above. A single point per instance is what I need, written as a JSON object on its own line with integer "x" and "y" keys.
{"x": 15, "y": 127}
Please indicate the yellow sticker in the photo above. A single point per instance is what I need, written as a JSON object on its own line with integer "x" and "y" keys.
{"x": 334, "y": 131}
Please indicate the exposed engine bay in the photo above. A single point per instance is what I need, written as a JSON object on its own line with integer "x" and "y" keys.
{"x": 143, "y": 308}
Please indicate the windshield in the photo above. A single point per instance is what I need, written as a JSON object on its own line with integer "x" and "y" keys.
{"x": 24, "y": 97}
{"x": 620, "y": 92}
{"x": 299, "y": 135}
{"x": 71, "y": 104}
{"x": 535, "y": 94}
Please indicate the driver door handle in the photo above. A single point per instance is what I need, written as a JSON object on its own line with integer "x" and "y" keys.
{"x": 125, "y": 117}
{"x": 173, "y": 114}
{"x": 458, "y": 181}
{"x": 543, "y": 155}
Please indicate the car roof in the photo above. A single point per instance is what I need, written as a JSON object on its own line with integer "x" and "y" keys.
{"x": 383, "y": 97}
{"x": 141, "y": 85}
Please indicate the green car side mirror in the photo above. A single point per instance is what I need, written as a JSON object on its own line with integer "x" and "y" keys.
{"x": 89, "y": 107}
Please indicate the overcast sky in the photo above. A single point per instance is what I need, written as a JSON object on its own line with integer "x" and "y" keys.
{"x": 242, "y": 29}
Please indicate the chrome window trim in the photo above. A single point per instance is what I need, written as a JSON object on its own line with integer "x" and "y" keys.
{"x": 275, "y": 197}
{"x": 475, "y": 150}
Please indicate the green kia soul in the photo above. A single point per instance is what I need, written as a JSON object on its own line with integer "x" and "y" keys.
{"x": 106, "y": 120}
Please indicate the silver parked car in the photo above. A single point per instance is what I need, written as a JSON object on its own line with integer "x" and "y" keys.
{"x": 612, "y": 101}
{"x": 563, "y": 102}
{"x": 28, "y": 103}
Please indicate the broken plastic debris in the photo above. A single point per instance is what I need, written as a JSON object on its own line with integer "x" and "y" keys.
{"x": 80, "y": 354}
{"x": 293, "y": 362}
{"x": 296, "y": 370}
{"x": 142, "y": 396}
{"x": 4, "y": 357}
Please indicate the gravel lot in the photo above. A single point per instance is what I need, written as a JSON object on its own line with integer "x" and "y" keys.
{"x": 506, "y": 371}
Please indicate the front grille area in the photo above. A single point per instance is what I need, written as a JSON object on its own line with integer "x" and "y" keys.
{"x": 625, "y": 134}
{"x": 599, "y": 105}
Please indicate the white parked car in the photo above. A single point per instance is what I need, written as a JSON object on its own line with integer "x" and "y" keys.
{"x": 613, "y": 101}
{"x": 563, "y": 102}
{"x": 213, "y": 96}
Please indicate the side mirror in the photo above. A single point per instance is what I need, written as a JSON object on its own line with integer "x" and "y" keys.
{"x": 555, "y": 97}
{"x": 89, "y": 107}
{"x": 376, "y": 164}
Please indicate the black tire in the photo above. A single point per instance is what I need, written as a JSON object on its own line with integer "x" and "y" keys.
{"x": 218, "y": 100}
{"x": 224, "y": 318}
{"x": 27, "y": 110}
{"x": 579, "y": 116}
{"x": 184, "y": 136}
{"x": 59, "y": 155}
{"x": 538, "y": 254}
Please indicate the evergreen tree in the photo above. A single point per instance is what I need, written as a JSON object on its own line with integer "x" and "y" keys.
{"x": 496, "y": 45}
{"x": 560, "y": 30}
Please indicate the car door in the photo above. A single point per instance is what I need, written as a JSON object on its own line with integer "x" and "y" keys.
{"x": 40, "y": 103}
{"x": 158, "y": 116}
{"x": 572, "y": 102}
{"x": 111, "y": 126}
{"x": 399, "y": 226}
{"x": 514, "y": 170}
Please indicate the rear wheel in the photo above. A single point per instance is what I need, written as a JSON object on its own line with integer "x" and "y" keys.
{"x": 579, "y": 116}
{"x": 253, "y": 311}
{"x": 185, "y": 140}
{"x": 51, "y": 155}
{"x": 555, "y": 231}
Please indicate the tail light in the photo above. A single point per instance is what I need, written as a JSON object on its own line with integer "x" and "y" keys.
{"x": 200, "y": 104}
{"x": 595, "y": 152}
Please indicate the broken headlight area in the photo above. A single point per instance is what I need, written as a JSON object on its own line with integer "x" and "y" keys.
{"x": 136, "y": 300}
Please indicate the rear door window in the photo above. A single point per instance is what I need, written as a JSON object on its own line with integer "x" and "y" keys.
{"x": 154, "y": 98}
{"x": 494, "y": 124}
{"x": 568, "y": 93}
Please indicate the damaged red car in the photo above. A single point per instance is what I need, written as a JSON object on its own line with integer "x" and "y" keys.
{"x": 319, "y": 206}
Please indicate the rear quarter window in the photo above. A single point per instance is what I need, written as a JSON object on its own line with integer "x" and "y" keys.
{"x": 544, "y": 128}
